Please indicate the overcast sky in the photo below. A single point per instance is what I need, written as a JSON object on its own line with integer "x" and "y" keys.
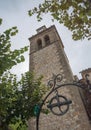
{"x": 15, "y": 13}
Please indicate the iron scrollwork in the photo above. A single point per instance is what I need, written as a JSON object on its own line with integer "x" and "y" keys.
{"x": 61, "y": 102}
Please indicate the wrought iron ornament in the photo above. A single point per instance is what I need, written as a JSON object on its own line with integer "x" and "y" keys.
{"x": 60, "y": 102}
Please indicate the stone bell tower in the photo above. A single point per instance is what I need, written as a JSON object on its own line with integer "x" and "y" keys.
{"x": 47, "y": 57}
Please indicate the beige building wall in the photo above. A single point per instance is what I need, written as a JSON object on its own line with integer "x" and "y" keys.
{"x": 51, "y": 59}
{"x": 86, "y": 93}
{"x": 85, "y": 72}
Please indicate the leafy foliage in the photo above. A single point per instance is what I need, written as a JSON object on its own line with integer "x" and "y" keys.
{"x": 17, "y": 98}
{"x": 9, "y": 58}
{"x": 18, "y": 126}
{"x": 74, "y": 14}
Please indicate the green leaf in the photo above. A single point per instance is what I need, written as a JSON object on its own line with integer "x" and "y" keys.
{"x": 22, "y": 58}
{"x": 85, "y": 18}
{"x": 89, "y": 13}
{"x": 26, "y": 48}
{"x": 0, "y": 21}
{"x": 14, "y": 28}
{"x": 30, "y": 13}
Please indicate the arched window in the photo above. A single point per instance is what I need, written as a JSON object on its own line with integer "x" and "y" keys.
{"x": 47, "y": 40}
{"x": 39, "y": 43}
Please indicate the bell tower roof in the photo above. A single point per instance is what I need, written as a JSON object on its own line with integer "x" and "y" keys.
{"x": 41, "y": 29}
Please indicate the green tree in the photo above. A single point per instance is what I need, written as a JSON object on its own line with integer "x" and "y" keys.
{"x": 74, "y": 14}
{"x": 17, "y": 97}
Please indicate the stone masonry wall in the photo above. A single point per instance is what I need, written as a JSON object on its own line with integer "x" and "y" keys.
{"x": 52, "y": 59}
